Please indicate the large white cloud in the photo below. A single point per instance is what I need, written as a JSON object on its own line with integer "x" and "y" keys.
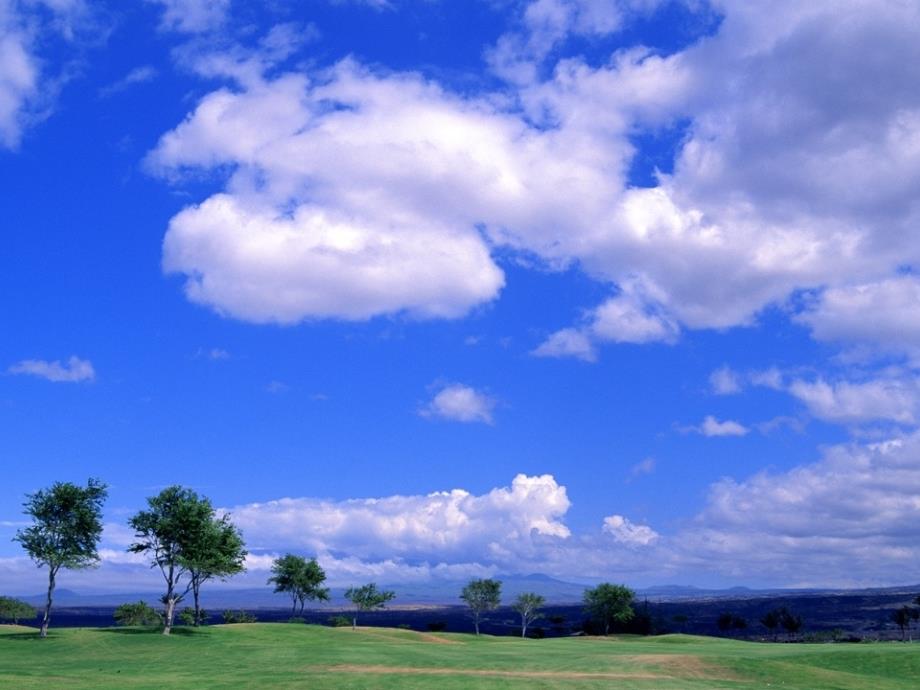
{"x": 849, "y": 519}
{"x": 796, "y": 172}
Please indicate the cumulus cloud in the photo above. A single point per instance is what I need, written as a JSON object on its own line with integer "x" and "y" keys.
{"x": 848, "y": 519}
{"x": 460, "y": 403}
{"x": 193, "y": 16}
{"x": 356, "y": 193}
{"x": 725, "y": 381}
{"x": 629, "y": 533}
{"x": 713, "y": 427}
{"x": 446, "y": 525}
{"x": 74, "y": 370}
{"x": 884, "y": 315}
{"x": 888, "y": 399}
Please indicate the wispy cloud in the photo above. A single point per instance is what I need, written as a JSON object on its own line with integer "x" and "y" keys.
{"x": 74, "y": 370}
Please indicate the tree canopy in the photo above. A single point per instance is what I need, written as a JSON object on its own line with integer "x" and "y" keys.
{"x": 368, "y": 598}
{"x": 299, "y": 578}
{"x": 182, "y": 537}
{"x": 528, "y": 605}
{"x": 608, "y": 603}
{"x": 65, "y": 530}
{"x": 481, "y": 595}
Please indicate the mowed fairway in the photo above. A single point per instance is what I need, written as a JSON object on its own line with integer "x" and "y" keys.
{"x": 300, "y": 656}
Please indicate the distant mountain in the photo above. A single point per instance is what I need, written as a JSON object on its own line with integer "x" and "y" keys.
{"x": 447, "y": 593}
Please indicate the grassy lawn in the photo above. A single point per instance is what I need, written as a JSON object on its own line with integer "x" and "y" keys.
{"x": 266, "y": 655}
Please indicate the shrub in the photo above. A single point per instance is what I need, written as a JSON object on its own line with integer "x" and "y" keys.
{"x": 15, "y": 610}
{"x": 139, "y": 613}
{"x": 240, "y": 616}
{"x": 339, "y": 621}
{"x": 187, "y": 616}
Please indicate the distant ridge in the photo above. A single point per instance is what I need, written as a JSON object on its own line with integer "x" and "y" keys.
{"x": 447, "y": 593}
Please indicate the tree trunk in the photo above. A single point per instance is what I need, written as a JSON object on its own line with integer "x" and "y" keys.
{"x": 606, "y": 628}
{"x": 196, "y": 588}
{"x": 354, "y": 623}
{"x": 46, "y": 619}
{"x": 523, "y": 627}
{"x": 293, "y": 606}
{"x": 170, "y": 612}
{"x": 476, "y": 623}
{"x": 170, "y": 601}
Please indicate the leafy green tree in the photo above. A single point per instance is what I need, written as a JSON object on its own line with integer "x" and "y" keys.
{"x": 15, "y": 610}
{"x": 771, "y": 621}
{"x": 528, "y": 605}
{"x": 367, "y": 598}
{"x": 791, "y": 623}
{"x": 299, "y": 578}
{"x": 481, "y": 596}
{"x": 138, "y": 613}
{"x": 65, "y": 531}
{"x": 902, "y": 618}
{"x": 608, "y": 603}
{"x": 216, "y": 552}
{"x": 169, "y": 532}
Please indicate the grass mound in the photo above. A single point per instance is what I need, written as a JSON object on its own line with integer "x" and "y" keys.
{"x": 304, "y": 656}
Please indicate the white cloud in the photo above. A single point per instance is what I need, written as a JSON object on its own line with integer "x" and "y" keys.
{"x": 29, "y": 79}
{"x": 355, "y": 193}
{"x": 713, "y": 427}
{"x": 19, "y": 73}
{"x": 889, "y": 399}
{"x": 460, "y": 403}
{"x": 884, "y": 314}
{"x": 193, "y": 16}
{"x": 138, "y": 75}
{"x": 644, "y": 466}
{"x": 629, "y": 533}
{"x": 568, "y": 342}
{"x": 74, "y": 370}
{"x": 725, "y": 381}
{"x": 849, "y": 519}
{"x": 446, "y": 525}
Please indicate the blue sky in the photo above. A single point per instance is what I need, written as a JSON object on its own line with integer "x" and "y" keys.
{"x": 616, "y": 289}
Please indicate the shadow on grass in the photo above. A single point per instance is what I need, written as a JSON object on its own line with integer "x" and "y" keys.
{"x": 180, "y": 632}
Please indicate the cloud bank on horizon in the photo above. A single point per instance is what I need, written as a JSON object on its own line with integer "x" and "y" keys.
{"x": 316, "y": 187}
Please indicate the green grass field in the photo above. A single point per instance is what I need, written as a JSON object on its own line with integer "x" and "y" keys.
{"x": 300, "y": 656}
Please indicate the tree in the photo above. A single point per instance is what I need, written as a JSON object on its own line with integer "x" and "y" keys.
{"x": 299, "y": 578}
{"x": 168, "y": 532}
{"x": 482, "y": 596}
{"x": 67, "y": 525}
{"x": 139, "y": 613}
{"x": 771, "y": 621}
{"x": 367, "y": 598}
{"x": 790, "y": 622}
{"x": 15, "y": 610}
{"x": 528, "y": 605}
{"x": 902, "y": 618}
{"x": 217, "y": 552}
{"x": 608, "y": 603}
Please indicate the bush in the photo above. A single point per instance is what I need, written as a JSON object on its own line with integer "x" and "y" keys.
{"x": 339, "y": 621}
{"x": 187, "y": 616}
{"x": 437, "y": 626}
{"x": 404, "y": 626}
{"x": 139, "y": 613}
{"x": 15, "y": 610}
{"x": 237, "y": 617}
